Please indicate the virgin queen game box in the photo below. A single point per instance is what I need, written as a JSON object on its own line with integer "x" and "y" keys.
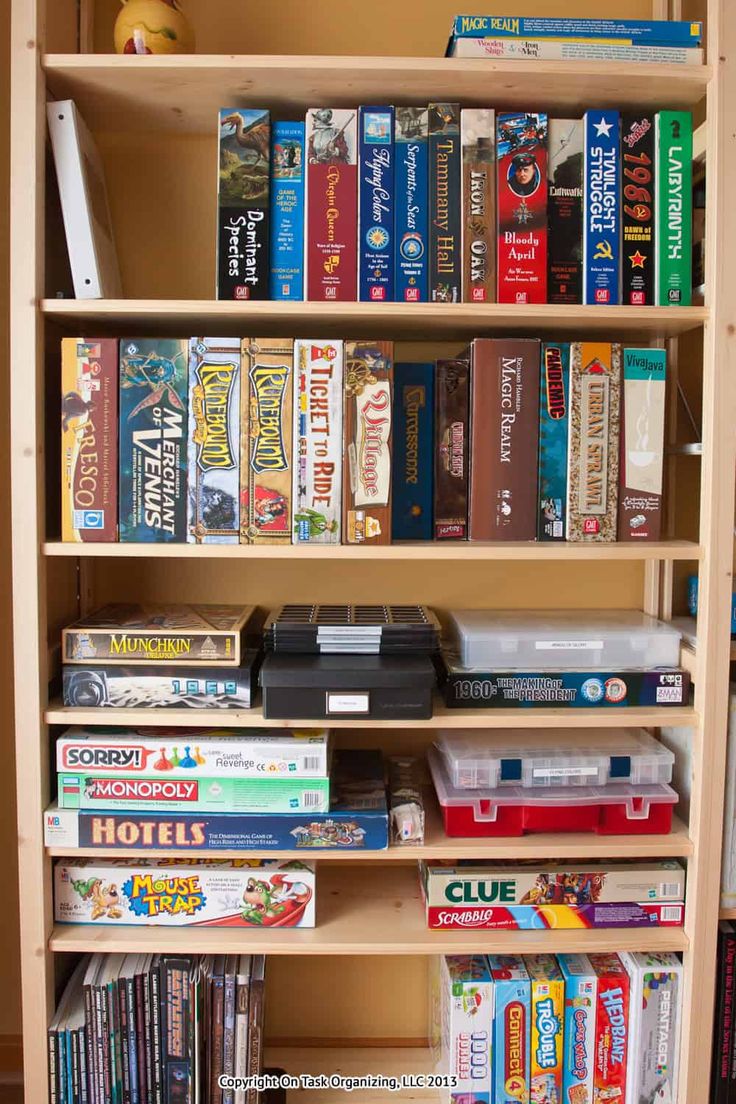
{"x": 241, "y": 893}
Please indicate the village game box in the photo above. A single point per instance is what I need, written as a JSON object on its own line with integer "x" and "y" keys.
{"x": 358, "y": 818}
{"x": 153, "y": 435}
{"x": 89, "y": 439}
{"x": 171, "y": 634}
{"x": 201, "y": 893}
{"x": 367, "y": 429}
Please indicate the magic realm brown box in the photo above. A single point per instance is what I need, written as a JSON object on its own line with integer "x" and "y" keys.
{"x": 368, "y": 384}
{"x": 505, "y": 434}
{"x": 452, "y": 417}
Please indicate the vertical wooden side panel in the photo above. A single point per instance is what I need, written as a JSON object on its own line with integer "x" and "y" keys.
{"x": 29, "y": 599}
{"x": 716, "y": 535}
{"x": 86, "y": 26}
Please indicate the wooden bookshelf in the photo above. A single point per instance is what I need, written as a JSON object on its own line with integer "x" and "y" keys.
{"x": 160, "y": 112}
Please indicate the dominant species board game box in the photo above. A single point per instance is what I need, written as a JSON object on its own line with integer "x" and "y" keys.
{"x": 511, "y": 1028}
{"x": 655, "y": 1010}
{"x": 89, "y": 790}
{"x": 317, "y": 443}
{"x": 505, "y": 383}
{"x": 243, "y": 203}
{"x": 172, "y": 634}
{"x": 287, "y": 211}
{"x": 594, "y": 442}
{"x": 554, "y": 426}
{"x": 332, "y": 205}
{"x": 642, "y": 444}
{"x": 162, "y": 687}
{"x": 411, "y": 237}
{"x": 376, "y": 204}
{"x": 214, "y": 440}
{"x": 601, "y": 206}
{"x": 547, "y": 1020}
{"x": 452, "y": 434}
{"x": 611, "y": 1028}
{"x": 367, "y": 442}
{"x": 581, "y": 990}
{"x": 565, "y": 211}
{"x": 674, "y": 210}
{"x": 266, "y": 441}
{"x": 445, "y": 222}
{"x": 637, "y": 209}
{"x": 412, "y": 490}
{"x": 89, "y": 439}
{"x": 154, "y": 393}
{"x": 521, "y": 156}
{"x": 464, "y": 989}
{"x": 152, "y": 753}
{"x": 236, "y": 893}
{"x": 358, "y": 818}
{"x": 478, "y": 141}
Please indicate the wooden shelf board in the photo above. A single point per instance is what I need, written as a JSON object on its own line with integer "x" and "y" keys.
{"x": 647, "y": 717}
{"x": 183, "y": 95}
{"x": 394, "y": 320}
{"x": 361, "y": 911}
{"x": 552, "y": 845}
{"x": 354, "y": 1062}
{"x": 728, "y": 914}
{"x": 427, "y": 551}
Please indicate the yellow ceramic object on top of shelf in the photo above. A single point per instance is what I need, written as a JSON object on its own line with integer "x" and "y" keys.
{"x": 153, "y": 27}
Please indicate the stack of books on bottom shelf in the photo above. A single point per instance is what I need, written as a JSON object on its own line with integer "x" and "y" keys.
{"x": 599, "y": 1027}
{"x": 141, "y": 1027}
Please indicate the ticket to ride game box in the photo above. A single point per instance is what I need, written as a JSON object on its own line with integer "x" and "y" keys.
{"x": 200, "y": 893}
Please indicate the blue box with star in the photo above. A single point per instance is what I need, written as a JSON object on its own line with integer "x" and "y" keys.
{"x": 601, "y": 209}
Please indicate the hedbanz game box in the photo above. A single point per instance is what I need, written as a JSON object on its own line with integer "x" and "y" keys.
{"x": 244, "y": 893}
{"x": 358, "y": 818}
{"x": 612, "y": 1026}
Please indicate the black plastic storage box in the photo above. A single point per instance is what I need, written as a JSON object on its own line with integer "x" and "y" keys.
{"x": 318, "y": 687}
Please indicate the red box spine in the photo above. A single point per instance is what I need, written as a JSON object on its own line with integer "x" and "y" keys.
{"x": 332, "y": 205}
{"x": 611, "y": 1028}
{"x": 521, "y": 158}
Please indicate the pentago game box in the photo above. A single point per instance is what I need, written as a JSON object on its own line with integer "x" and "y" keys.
{"x": 236, "y": 893}
{"x": 511, "y": 1028}
{"x": 655, "y": 1008}
{"x": 547, "y": 1020}
{"x": 167, "y": 753}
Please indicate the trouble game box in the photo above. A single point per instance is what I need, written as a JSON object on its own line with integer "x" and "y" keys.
{"x": 547, "y": 1022}
{"x": 243, "y": 893}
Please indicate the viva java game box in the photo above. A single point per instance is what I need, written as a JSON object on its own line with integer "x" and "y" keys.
{"x": 611, "y": 1028}
{"x": 266, "y": 441}
{"x": 154, "y": 393}
{"x": 317, "y": 442}
{"x": 642, "y": 444}
{"x": 170, "y": 634}
{"x": 594, "y": 443}
{"x": 89, "y": 439}
{"x": 332, "y": 205}
{"x": 367, "y": 442}
{"x": 547, "y": 1020}
{"x": 511, "y": 1028}
{"x": 581, "y": 990}
{"x": 521, "y": 159}
{"x": 214, "y": 440}
{"x": 243, "y": 203}
{"x": 238, "y": 893}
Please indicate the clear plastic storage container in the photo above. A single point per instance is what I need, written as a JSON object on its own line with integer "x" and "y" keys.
{"x": 513, "y": 811}
{"x": 542, "y": 757}
{"x": 564, "y": 640}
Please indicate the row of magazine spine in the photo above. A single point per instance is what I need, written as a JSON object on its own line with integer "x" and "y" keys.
{"x": 449, "y": 204}
{"x": 157, "y": 1029}
{"x": 274, "y": 441}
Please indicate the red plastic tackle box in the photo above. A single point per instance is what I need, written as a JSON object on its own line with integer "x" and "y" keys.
{"x": 514, "y": 811}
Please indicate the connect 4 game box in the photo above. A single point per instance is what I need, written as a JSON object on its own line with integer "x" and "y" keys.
{"x": 463, "y": 1011}
{"x": 611, "y": 1028}
{"x": 547, "y": 1022}
{"x": 581, "y": 988}
{"x": 511, "y": 1028}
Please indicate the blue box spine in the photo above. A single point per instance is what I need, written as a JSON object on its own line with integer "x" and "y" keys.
{"x": 636, "y": 32}
{"x": 413, "y": 491}
{"x": 411, "y": 231}
{"x": 287, "y": 211}
{"x": 554, "y": 416}
{"x": 602, "y": 209}
{"x": 375, "y": 204}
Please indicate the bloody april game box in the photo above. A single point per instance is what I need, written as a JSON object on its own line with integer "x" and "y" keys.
{"x": 521, "y": 158}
